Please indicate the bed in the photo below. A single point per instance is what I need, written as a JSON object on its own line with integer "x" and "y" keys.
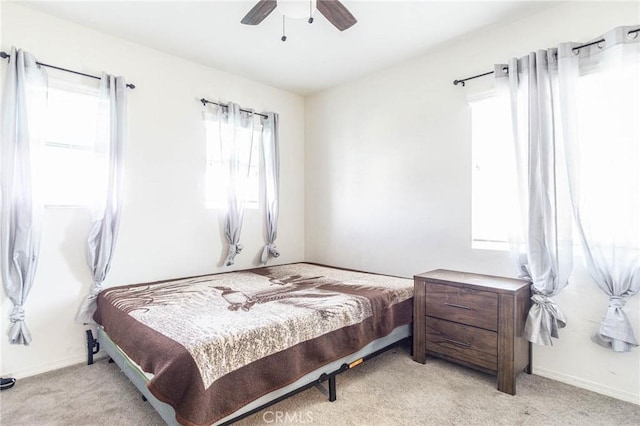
{"x": 213, "y": 349}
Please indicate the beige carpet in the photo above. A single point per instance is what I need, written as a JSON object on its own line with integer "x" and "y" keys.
{"x": 388, "y": 390}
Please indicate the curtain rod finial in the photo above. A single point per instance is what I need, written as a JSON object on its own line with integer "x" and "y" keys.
{"x": 204, "y": 101}
{"x": 456, "y": 82}
{"x": 4, "y": 55}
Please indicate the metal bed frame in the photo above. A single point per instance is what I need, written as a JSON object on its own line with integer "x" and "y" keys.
{"x": 315, "y": 378}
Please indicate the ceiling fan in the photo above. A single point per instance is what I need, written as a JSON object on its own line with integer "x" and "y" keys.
{"x": 333, "y": 10}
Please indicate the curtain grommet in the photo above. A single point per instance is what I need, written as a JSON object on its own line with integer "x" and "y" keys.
{"x": 632, "y": 35}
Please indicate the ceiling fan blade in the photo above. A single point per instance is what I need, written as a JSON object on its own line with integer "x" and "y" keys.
{"x": 260, "y": 11}
{"x": 336, "y": 13}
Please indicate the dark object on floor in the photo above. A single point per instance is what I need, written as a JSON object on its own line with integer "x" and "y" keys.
{"x": 7, "y": 383}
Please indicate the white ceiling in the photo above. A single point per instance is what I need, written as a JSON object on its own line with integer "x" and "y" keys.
{"x": 314, "y": 57}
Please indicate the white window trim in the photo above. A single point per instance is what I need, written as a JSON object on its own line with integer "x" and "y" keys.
{"x": 478, "y": 244}
{"x": 255, "y": 159}
{"x": 80, "y": 88}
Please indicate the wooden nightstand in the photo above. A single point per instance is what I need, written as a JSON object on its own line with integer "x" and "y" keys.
{"x": 474, "y": 320}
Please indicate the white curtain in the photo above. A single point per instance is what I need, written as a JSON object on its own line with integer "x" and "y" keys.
{"x": 106, "y": 212}
{"x": 24, "y": 101}
{"x": 236, "y": 129}
{"x": 600, "y": 89}
{"x": 541, "y": 240}
{"x": 271, "y": 165}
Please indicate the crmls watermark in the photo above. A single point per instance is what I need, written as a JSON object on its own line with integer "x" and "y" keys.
{"x": 286, "y": 417}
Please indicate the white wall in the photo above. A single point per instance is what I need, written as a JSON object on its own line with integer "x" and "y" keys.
{"x": 388, "y": 180}
{"x": 166, "y": 230}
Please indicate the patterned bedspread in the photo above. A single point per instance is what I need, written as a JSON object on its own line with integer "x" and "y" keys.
{"x": 215, "y": 343}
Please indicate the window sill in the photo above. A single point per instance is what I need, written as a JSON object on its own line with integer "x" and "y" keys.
{"x": 66, "y": 206}
{"x": 247, "y": 206}
{"x": 490, "y": 245}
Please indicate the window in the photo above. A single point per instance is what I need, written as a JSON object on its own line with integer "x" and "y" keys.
{"x": 70, "y": 164}
{"x": 607, "y": 126}
{"x": 216, "y": 173}
{"x": 608, "y": 107}
{"x": 493, "y": 173}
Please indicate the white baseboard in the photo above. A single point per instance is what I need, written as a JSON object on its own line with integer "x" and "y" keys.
{"x": 585, "y": 384}
{"x": 46, "y": 368}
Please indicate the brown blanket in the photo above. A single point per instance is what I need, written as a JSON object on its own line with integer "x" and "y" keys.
{"x": 217, "y": 342}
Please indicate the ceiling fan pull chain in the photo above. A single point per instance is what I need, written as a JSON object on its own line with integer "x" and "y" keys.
{"x": 284, "y": 37}
{"x": 310, "y": 12}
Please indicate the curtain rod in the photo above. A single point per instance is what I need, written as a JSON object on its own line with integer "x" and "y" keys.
{"x": 205, "y": 102}
{"x": 456, "y": 82}
{"x": 5, "y": 55}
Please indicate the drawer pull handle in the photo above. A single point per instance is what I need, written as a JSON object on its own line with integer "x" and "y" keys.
{"x": 455, "y": 342}
{"x": 453, "y": 305}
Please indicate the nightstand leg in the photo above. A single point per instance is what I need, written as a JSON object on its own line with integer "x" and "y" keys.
{"x": 418, "y": 348}
{"x": 507, "y": 382}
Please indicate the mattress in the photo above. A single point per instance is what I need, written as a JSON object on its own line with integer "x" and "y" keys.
{"x": 214, "y": 344}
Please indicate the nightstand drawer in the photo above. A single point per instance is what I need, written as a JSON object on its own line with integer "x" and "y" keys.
{"x": 462, "y": 305}
{"x": 470, "y": 344}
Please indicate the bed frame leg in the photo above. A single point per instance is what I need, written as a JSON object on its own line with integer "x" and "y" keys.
{"x": 93, "y": 346}
{"x": 332, "y": 388}
{"x": 331, "y": 379}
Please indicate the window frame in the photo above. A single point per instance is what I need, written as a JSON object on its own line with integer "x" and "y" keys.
{"x": 76, "y": 88}
{"x": 219, "y": 202}
{"x": 477, "y": 243}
